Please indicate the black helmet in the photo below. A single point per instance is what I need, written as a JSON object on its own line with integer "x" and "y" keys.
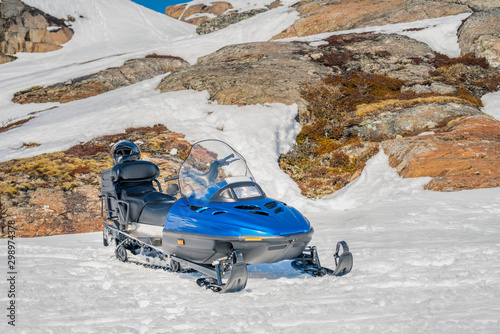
{"x": 125, "y": 151}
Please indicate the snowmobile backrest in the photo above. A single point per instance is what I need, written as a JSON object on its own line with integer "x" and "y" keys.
{"x": 124, "y": 187}
{"x": 134, "y": 172}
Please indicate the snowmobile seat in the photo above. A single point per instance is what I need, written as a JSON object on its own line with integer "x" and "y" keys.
{"x": 155, "y": 213}
{"x": 129, "y": 187}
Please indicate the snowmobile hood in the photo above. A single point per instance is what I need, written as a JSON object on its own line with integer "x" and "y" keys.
{"x": 263, "y": 217}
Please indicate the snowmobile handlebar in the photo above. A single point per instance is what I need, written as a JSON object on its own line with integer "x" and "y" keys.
{"x": 210, "y": 176}
{"x": 224, "y": 161}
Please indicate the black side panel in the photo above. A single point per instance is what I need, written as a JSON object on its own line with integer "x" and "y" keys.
{"x": 197, "y": 248}
{"x": 202, "y": 248}
{"x": 107, "y": 187}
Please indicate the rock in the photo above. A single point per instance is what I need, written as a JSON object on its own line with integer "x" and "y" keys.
{"x": 6, "y": 58}
{"x": 131, "y": 72}
{"x": 318, "y": 16}
{"x": 274, "y": 4}
{"x": 410, "y": 121}
{"x": 463, "y": 155}
{"x": 27, "y": 29}
{"x": 435, "y": 87}
{"x": 391, "y": 55}
{"x": 480, "y": 35}
{"x": 251, "y": 73}
{"x": 478, "y": 5}
{"x": 222, "y": 21}
{"x": 175, "y": 11}
{"x": 197, "y": 13}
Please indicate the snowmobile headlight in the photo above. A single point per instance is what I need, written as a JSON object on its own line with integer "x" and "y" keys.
{"x": 246, "y": 192}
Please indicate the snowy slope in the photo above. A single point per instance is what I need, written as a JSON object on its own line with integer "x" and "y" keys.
{"x": 424, "y": 261}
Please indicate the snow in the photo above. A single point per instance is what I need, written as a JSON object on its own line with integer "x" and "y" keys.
{"x": 439, "y": 33}
{"x": 491, "y": 104}
{"x": 423, "y": 261}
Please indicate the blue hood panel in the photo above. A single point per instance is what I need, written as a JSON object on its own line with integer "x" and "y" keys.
{"x": 265, "y": 217}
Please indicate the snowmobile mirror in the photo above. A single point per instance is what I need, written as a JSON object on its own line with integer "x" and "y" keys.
{"x": 173, "y": 189}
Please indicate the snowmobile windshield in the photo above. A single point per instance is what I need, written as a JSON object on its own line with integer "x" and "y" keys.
{"x": 210, "y": 166}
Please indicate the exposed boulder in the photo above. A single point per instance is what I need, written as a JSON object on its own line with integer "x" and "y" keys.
{"x": 27, "y": 29}
{"x": 411, "y": 120}
{"x": 463, "y": 155}
{"x": 480, "y": 35}
{"x": 223, "y": 21}
{"x": 318, "y": 16}
{"x": 196, "y": 14}
{"x": 131, "y": 72}
{"x": 252, "y": 73}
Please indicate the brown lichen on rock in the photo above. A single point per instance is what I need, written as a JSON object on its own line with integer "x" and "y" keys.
{"x": 463, "y": 155}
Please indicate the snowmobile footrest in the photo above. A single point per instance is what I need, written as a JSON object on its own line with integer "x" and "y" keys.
{"x": 238, "y": 275}
{"x": 309, "y": 263}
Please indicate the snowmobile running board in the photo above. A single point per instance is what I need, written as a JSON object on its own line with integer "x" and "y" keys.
{"x": 234, "y": 266}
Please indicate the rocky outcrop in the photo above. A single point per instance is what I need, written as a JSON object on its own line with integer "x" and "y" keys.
{"x": 480, "y": 35}
{"x": 27, "y": 29}
{"x": 252, "y": 73}
{"x": 131, "y": 72}
{"x": 196, "y": 14}
{"x": 463, "y": 155}
{"x": 223, "y": 21}
{"x": 384, "y": 87}
{"x": 57, "y": 193}
{"x": 318, "y": 16}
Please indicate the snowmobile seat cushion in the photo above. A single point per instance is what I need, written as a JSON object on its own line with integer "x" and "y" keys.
{"x": 134, "y": 171}
{"x": 137, "y": 197}
{"x": 155, "y": 213}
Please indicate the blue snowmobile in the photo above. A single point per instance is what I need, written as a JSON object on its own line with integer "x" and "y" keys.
{"x": 222, "y": 221}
